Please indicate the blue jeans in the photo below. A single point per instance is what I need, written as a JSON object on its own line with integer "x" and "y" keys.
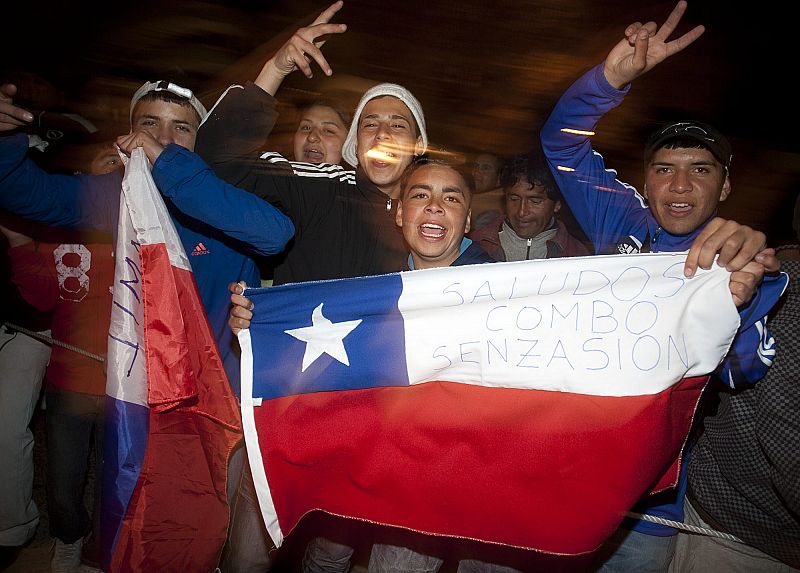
{"x": 75, "y": 425}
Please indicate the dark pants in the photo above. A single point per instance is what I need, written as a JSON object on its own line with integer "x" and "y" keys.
{"x": 74, "y": 429}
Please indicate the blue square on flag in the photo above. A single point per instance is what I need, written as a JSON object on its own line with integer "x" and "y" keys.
{"x": 338, "y": 335}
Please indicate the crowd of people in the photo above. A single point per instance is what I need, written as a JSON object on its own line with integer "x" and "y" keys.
{"x": 366, "y": 194}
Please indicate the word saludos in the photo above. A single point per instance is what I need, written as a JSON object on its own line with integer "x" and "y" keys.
{"x": 580, "y": 321}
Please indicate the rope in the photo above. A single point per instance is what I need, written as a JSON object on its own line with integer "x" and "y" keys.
{"x": 50, "y": 340}
{"x": 684, "y": 526}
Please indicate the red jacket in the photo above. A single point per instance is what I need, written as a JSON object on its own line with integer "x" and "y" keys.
{"x": 73, "y": 280}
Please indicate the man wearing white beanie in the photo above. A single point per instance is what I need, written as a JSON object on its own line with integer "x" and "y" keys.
{"x": 374, "y": 152}
{"x": 344, "y": 219}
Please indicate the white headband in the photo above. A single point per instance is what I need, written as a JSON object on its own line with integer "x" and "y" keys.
{"x": 162, "y": 85}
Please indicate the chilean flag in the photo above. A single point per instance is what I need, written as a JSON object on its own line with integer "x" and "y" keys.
{"x": 172, "y": 418}
{"x": 528, "y": 404}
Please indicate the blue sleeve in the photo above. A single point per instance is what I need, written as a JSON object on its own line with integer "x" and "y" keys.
{"x": 606, "y": 208}
{"x": 753, "y": 349}
{"x": 74, "y": 201}
{"x": 195, "y": 190}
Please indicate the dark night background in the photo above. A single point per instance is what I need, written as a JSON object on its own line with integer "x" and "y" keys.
{"x": 487, "y": 74}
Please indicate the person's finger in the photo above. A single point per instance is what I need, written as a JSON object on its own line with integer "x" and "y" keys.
{"x": 237, "y": 324}
{"x": 743, "y": 286}
{"x": 242, "y": 301}
{"x": 696, "y": 257}
{"x": 684, "y": 41}
{"x": 728, "y": 242}
{"x": 738, "y": 294}
{"x": 237, "y": 288}
{"x": 14, "y": 114}
{"x": 310, "y": 51}
{"x": 328, "y": 14}
{"x": 242, "y": 312}
{"x": 302, "y": 62}
{"x": 772, "y": 264}
{"x": 640, "y": 49}
{"x": 7, "y": 90}
{"x": 632, "y": 30}
{"x": 312, "y": 33}
{"x": 10, "y": 122}
{"x": 672, "y": 21}
{"x": 742, "y": 248}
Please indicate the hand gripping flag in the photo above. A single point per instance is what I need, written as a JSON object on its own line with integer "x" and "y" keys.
{"x": 528, "y": 404}
{"x": 172, "y": 418}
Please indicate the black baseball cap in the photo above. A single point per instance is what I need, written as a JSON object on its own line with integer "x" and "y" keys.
{"x": 707, "y": 135}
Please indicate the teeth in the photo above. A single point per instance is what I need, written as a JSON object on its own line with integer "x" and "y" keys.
{"x": 382, "y": 155}
{"x": 431, "y": 230}
{"x": 679, "y": 205}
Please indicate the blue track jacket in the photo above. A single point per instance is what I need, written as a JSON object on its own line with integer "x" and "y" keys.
{"x": 616, "y": 219}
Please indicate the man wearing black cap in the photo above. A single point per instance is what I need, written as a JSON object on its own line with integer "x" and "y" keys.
{"x": 687, "y": 173}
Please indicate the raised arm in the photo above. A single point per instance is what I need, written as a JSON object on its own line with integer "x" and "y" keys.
{"x": 194, "y": 189}
{"x": 605, "y": 207}
{"x": 645, "y": 46}
{"x": 233, "y": 134}
{"x": 298, "y": 52}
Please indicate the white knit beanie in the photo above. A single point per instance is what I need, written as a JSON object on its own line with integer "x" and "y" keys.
{"x": 149, "y": 87}
{"x": 394, "y": 90}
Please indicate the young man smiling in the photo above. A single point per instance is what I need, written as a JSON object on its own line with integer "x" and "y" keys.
{"x": 434, "y": 214}
{"x": 687, "y": 173}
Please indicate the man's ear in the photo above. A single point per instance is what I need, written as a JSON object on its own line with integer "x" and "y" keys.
{"x": 726, "y": 189}
{"x": 398, "y": 216}
{"x": 468, "y": 221}
{"x": 557, "y": 207}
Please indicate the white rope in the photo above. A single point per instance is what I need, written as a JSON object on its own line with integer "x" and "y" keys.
{"x": 684, "y": 526}
{"x": 50, "y": 340}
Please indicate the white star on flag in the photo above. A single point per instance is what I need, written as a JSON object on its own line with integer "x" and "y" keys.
{"x": 323, "y": 336}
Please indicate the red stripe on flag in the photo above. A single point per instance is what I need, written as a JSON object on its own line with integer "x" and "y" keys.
{"x": 183, "y": 364}
{"x": 549, "y": 471}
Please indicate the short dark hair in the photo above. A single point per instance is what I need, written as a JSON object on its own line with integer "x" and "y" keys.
{"x": 425, "y": 160}
{"x": 531, "y": 168}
